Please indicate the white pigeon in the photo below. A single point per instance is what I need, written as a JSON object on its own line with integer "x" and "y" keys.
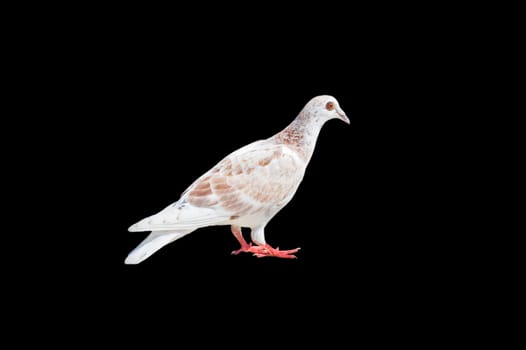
{"x": 245, "y": 189}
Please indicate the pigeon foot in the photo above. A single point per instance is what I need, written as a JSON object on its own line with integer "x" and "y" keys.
{"x": 262, "y": 251}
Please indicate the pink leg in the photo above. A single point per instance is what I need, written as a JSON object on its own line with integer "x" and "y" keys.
{"x": 245, "y": 247}
{"x": 261, "y": 250}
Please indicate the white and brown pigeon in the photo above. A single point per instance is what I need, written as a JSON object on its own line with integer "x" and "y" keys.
{"x": 245, "y": 189}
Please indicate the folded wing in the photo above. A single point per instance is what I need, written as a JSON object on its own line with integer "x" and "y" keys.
{"x": 256, "y": 177}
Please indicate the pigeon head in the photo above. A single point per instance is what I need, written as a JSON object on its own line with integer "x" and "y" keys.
{"x": 325, "y": 108}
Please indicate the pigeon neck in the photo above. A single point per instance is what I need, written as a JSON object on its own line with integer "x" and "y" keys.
{"x": 302, "y": 134}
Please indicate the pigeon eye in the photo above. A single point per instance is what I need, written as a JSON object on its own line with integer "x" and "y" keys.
{"x": 329, "y": 106}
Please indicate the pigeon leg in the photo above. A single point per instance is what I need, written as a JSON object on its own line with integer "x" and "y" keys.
{"x": 245, "y": 247}
{"x": 262, "y": 250}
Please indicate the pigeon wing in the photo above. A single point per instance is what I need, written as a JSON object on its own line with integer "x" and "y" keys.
{"x": 256, "y": 177}
{"x": 260, "y": 176}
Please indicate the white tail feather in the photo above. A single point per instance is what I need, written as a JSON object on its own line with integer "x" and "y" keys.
{"x": 155, "y": 241}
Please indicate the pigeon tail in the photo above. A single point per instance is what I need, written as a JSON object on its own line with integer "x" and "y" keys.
{"x": 155, "y": 241}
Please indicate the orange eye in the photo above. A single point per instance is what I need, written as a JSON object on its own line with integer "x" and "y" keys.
{"x": 329, "y": 106}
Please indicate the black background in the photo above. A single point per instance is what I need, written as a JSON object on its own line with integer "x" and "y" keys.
{"x": 138, "y": 108}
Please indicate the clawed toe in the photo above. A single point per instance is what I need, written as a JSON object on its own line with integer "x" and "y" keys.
{"x": 262, "y": 251}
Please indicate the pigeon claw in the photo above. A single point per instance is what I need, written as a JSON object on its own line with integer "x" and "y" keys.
{"x": 275, "y": 252}
{"x": 262, "y": 251}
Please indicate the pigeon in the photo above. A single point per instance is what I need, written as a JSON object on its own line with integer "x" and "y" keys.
{"x": 245, "y": 189}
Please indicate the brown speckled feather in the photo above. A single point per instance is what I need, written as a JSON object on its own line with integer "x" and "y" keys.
{"x": 262, "y": 174}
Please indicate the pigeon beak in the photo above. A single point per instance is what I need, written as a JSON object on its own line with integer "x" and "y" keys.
{"x": 343, "y": 116}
